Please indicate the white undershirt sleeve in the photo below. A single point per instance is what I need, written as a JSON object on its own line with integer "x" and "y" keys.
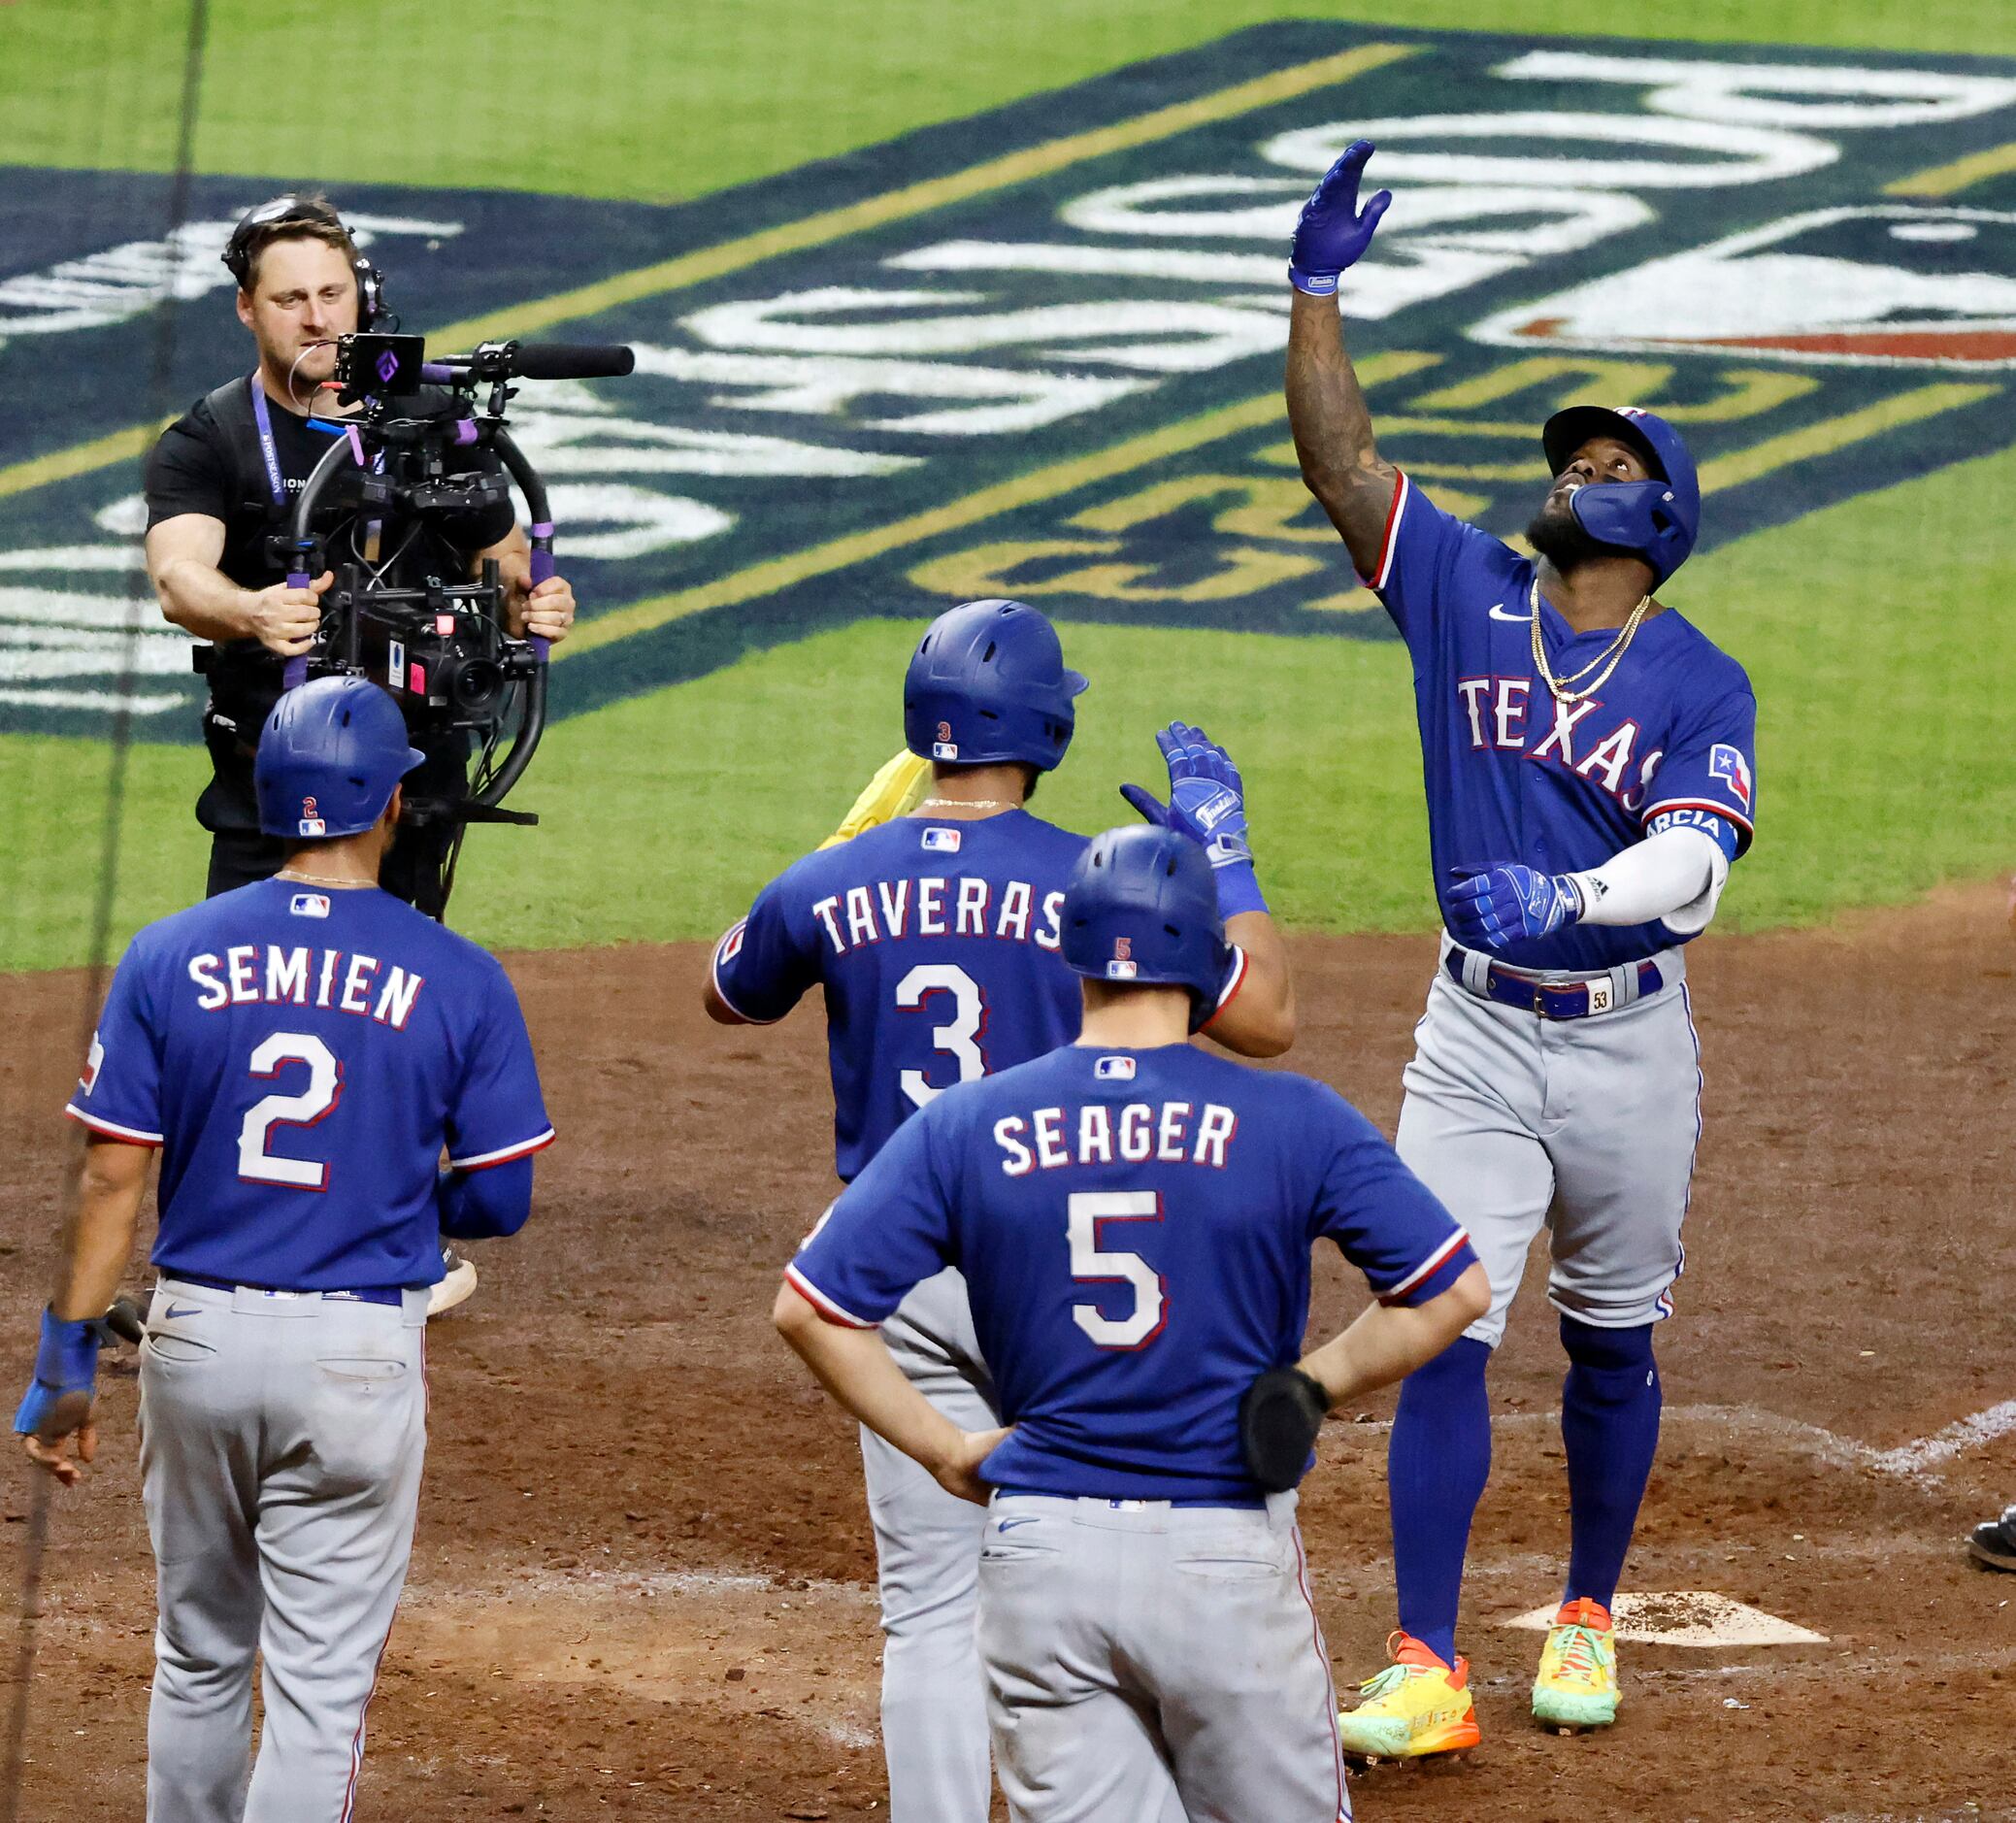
{"x": 1676, "y": 875}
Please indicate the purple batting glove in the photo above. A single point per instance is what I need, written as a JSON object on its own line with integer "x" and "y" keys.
{"x": 1334, "y": 232}
{"x": 1497, "y": 907}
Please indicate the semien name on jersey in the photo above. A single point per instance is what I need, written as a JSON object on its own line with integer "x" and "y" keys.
{"x": 249, "y": 973}
{"x": 937, "y": 907}
{"x": 1174, "y": 1133}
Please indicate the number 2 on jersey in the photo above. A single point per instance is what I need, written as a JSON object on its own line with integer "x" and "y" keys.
{"x": 255, "y": 1164}
{"x": 1091, "y": 1264}
{"x": 959, "y": 1037}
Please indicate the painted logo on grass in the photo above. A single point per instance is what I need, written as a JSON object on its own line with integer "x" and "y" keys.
{"x": 1038, "y": 353}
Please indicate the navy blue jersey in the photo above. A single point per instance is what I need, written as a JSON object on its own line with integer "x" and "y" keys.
{"x": 1514, "y": 775}
{"x": 937, "y": 945}
{"x": 302, "y": 1058}
{"x": 1135, "y": 1229}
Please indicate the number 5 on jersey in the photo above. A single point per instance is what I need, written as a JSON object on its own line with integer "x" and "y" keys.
{"x": 1091, "y": 1264}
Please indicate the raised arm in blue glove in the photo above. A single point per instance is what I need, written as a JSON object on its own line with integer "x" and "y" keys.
{"x": 1334, "y": 232}
{"x": 1497, "y": 907}
{"x": 1206, "y": 799}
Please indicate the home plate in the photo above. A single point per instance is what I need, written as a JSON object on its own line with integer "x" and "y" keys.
{"x": 1689, "y": 1617}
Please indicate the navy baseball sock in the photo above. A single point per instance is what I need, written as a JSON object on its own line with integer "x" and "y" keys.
{"x": 1437, "y": 1464}
{"x": 1610, "y": 1423}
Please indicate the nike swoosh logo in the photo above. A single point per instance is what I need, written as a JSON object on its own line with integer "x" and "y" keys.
{"x": 1498, "y": 613}
{"x": 187, "y": 1309}
{"x": 1008, "y": 1525}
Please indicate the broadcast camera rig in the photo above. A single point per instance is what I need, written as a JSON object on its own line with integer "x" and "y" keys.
{"x": 440, "y": 644}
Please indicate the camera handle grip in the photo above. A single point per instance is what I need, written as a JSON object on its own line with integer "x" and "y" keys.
{"x": 542, "y": 569}
{"x": 295, "y": 672}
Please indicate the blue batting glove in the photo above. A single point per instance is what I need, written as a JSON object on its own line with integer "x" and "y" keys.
{"x": 65, "y": 1363}
{"x": 1207, "y": 797}
{"x": 1334, "y": 232}
{"x": 1502, "y": 905}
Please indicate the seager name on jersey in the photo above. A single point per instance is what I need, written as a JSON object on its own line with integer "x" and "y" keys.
{"x": 937, "y": 907}
{"x": 1173, "y": 1132}
{"x": 302, "y": 977}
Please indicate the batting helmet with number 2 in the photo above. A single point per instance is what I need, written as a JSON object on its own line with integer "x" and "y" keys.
{"x": 329, "y": 759}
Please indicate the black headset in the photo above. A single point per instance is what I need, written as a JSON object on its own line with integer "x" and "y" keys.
{"x": 238, "y": 252}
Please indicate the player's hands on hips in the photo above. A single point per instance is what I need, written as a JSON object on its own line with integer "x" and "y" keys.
{"x": 1207, "y": 797}
{"x": 1334, "y": 232}
{"x": 286, "y": 620}
{"x": 1502, "y": 905}
{"x": 959, "y": 1471}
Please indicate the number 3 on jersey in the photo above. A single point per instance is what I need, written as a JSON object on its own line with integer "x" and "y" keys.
{"x": 255, "y": 1164}
{"x": 1091, "y": 1264}
{"x": 959, "y": 1037}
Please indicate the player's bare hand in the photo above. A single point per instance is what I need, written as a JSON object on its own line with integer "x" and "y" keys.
{"x": 286, "y": 620}
{"x": 64, "y": 1453}
{"x": 958, "y": 1474}
{"x": 545, "y": 611}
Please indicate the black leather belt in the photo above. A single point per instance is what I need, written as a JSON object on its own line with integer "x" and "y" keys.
{"x": 1552, "y": 1000}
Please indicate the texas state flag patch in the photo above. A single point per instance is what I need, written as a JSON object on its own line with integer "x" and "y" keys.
{"x": 1728, "y": 764}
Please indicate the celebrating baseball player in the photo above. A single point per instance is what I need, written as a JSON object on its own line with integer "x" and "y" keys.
{"x": 937, "y": 937}
{"x": 299, "y": 1051}
{"x": 1132, "y": 1218}
{"x": 1589, "y": 762}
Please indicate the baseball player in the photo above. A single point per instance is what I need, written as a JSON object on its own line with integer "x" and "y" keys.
{"x": 299, "y": 1051}
{"x": 937, "y": 938}
{"x": 1132, "y": 1217}
{"x": 1590, "y": 771}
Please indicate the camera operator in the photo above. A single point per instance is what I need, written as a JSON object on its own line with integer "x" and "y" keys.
{"x": 222, "y": 479}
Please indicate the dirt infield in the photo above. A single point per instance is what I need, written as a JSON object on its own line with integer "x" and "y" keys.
{"x": 641, "y": 1581}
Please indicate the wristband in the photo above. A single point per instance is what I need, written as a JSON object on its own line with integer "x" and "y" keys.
{"x": 68, "y": 1354}
{"x": 1238, "y": 889}
{"x": 1313, "y": 283}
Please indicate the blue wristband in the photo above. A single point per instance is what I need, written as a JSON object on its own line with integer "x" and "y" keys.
{"x": 1238, "y": 889}
{"x": 1313, "y": 283}
{"x": 68, "y": 1355}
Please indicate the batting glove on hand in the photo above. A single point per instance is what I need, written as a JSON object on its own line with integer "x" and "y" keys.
{"x": 1207, "y": 797}
{"x": 58, "y": 1400}
{"x": 1503, "y": 905}
{"x": 1334, "y": 232}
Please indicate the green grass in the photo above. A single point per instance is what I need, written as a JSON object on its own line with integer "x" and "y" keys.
{"x": 1878, "y": 633}
{"x": 660, "y": 101}
{"x": 1872, "y": 631}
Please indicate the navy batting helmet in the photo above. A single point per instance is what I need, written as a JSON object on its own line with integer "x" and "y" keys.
{"x": 1658, "y": 519}
{"x": 1141, "y": 906}
{"x": 987, "y": 684}
{"x": 329, "y": 758}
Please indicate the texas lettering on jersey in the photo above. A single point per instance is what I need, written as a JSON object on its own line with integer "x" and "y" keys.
{"x": 1511, "y": 773}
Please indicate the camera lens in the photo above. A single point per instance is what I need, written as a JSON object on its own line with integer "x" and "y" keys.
{"x": 476, "y": 684}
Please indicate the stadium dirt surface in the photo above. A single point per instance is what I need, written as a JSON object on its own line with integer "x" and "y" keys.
{"x": 643, "y": 1580}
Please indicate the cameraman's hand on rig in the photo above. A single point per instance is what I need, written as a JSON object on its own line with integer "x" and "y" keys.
{"x": 542, "y": 611}
{"x": 284, "y": 618}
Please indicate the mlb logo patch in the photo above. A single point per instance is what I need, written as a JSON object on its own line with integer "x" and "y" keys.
{"x": 1114, "y": 1069}
{"x": 1727, "y": 764}
{"x": 309, "y": 905}
{"x": 1121, "y": 970}
{"x": 940, "y": 841}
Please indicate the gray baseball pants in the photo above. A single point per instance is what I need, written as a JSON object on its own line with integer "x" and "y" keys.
{"x": 1148, "y": 1662}
{"x": 282, "y": 1437}
{"x": 1586, "y": 1127}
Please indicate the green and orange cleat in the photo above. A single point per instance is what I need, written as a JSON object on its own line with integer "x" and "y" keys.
{"x": 1417, "y": 1706}
{"x": 1576, "y": 1686}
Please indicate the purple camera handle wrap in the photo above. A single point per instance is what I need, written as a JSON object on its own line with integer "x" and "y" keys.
{"x": 542, "y": 569}
{"x": 295, "y": 672}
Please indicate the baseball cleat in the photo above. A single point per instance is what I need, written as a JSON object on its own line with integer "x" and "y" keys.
{"x": 457, "y": 1282}
{"x": 1995, "y": 1543}
{"x": 1416, "y": 1707}
{"x": 1577, "y": 1682}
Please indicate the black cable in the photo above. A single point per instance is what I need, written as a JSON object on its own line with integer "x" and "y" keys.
{"x": 34, "y": 1546}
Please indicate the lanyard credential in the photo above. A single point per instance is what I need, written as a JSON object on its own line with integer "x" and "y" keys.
{"x": 275, "y": 482}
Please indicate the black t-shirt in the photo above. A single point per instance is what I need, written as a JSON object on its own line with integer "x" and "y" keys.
{"x": 216, "y": 468}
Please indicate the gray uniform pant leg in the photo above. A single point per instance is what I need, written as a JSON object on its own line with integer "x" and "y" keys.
{"x": 927, "y": 1566}
{"x": 1586, "y": 1126}
{"x": 1146, "y": 1663}
{"x": 281, "y": 1449}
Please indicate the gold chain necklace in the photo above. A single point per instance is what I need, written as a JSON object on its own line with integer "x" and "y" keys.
{"x": 1562, "y": 689}
{"x": 320, "y": 880}
{"x": 967, "y": 804}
